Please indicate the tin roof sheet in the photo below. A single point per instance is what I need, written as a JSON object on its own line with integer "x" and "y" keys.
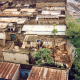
{"x": 42, "y": 73}
{"x": 44, "y": 29}
{"x": 26, "y": 5}
{"x": 3, "y": 25}
{"x": 18, "y": 5}
{"x": 2, "y": 2}
{"x": 51, "y": 12}
{"x": 10, "y": 10}
{"x": 8, "y": 70}
{"x": 12, "y": 19}
{"x": 53, "y": 8}
{"x": 28, "y": 9}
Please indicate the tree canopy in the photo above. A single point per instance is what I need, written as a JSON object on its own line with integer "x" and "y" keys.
{"x": 43, "y": 55}
{"x": 73, "y": 34}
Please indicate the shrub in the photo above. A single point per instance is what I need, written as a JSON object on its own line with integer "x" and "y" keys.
{"x": 43, "y": 54}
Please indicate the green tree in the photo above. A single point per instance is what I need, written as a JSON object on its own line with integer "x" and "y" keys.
{"x": 54, "y": 31}
{"x": 54, "y": 25}
{"x": 43, "y": 56}
{"x": 73, "y": 34}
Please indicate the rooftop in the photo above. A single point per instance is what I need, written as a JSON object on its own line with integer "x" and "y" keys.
{"x": 53, "y": 8}
{"x": 51, "y": 12}
{"x": 14, "y": 12}
{"x": 12, "y": 19}
{"x": 2, "y": 2}
{"x": 3, "y": 25}
{"x": 42, "y": 73}
{"x": 10, "y": 10}
{"x": 28, "y": 10}
{"x": 8, "y": 70}
{"x": 44, "y": 29}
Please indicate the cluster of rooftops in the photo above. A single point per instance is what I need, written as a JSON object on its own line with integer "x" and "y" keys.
{"x": 21, "y": 27}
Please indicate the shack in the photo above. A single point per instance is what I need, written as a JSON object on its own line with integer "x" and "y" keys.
{"x": 43, "y": 33}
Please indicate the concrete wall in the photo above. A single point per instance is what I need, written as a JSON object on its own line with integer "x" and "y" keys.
{"x": 2, "y": 35}
{"x": 16, "y": 76}
{"x": 71, "y": 50}
{"x": 22, "y": 58}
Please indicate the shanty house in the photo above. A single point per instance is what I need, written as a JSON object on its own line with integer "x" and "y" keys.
{"x": 4, "y": 5}
{"x": 14, "y": 26}
{"x": 43, "y": 33}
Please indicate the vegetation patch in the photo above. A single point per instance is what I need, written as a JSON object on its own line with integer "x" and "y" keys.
{"x": 77, "y": 20}
{"x": 42, "y": 57}
{"x": 73, "y": 34}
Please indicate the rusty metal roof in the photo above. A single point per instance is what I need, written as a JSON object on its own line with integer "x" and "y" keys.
{"x": 8, "y": 70}
{"x": 42, "y": 73}
{"x": 3, "y": 25}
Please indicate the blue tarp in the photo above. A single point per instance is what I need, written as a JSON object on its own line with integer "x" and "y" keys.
{"x": 23, "y": 71}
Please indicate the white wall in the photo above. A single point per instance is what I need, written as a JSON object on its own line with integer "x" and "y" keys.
{"x": 2, "y": 35}
{"x": 16, "y": 57}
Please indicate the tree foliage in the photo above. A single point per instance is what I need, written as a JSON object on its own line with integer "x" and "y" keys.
{"x": 73, "y": 34}
{"x": 54, "y": 31}
{"x": 43, "y": 54}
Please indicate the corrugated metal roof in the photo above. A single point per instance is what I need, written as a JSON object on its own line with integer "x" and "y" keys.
{"x": 51, "y": 12}
{"x": 44, "y": 29}
{"x": 28, "y": 9}
{"x": 3, "y": 25}
{"x": 13, "y": 10}
{"x": 26, "y": 5}
{"x": 8, "y": 70}
{"x": 12, "y": 19}
{"x": 53, "y": 8}
{"x": 42, "y": 73}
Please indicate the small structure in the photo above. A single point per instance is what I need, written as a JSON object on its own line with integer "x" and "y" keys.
{"x": 43, "y": 33}
{"x": 44, "y": 29}
{"x": 3, "y": 27}
{"x": 14, "y": 53}
{"x": 42, "y": 73}
{"x": 25, "y": 12}
{"x": 14, "y": 25}
{"x": 4, "y": 5}
{"x": 9, "y": 71}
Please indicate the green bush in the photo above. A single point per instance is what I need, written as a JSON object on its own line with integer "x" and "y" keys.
{"x": 62, "y": 67}
{"x": 73, "y": 34}
{"x": 43, "y": 54}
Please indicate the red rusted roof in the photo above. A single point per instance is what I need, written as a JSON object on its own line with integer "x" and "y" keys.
{"x": 42, "y": 73}
{"x": 8, "y": 70}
